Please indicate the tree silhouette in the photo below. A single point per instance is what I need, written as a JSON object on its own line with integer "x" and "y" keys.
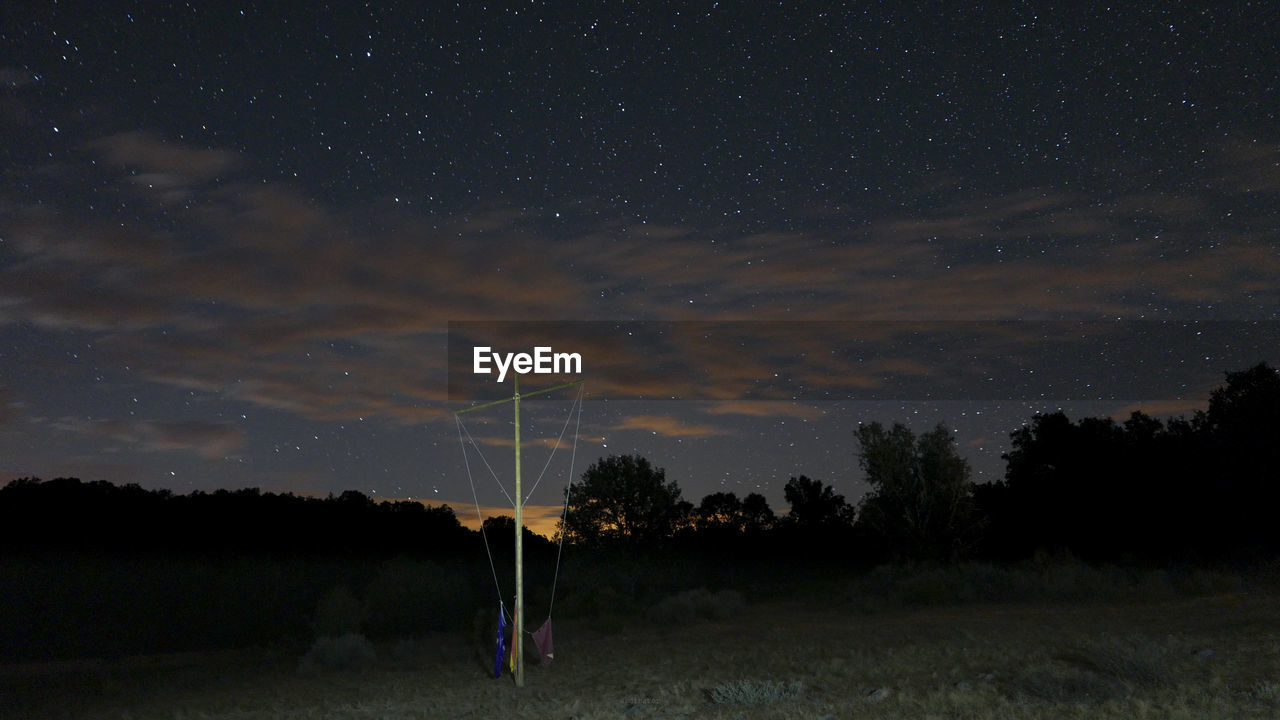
{"x": 921, "y": 504}
{"x": 720, "y": 512}
{"x": 624, "y": 499}
{"x": 500, "y": 532}
{"x": 757, "y": 516}
{"x": 1073, "y": 486}
{"x": 1140, "y": 489}
{"x": 66, "y": 513}
{"x": 815, "y": 505}
{"x": 1248, "y": 407}
{"x": 723, "y": 513}
{"x": 1243, "y": 430}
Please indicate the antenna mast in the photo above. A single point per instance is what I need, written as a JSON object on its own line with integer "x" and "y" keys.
{"x": 517, "y": 635}
{"x": 517, "y": 639}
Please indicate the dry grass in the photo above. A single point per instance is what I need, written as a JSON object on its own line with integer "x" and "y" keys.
{"x": 1209, "y": 657}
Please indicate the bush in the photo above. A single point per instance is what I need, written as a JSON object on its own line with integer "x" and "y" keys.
{"x": 350, "y": 652}
{"x": 592, "y": 601}
{"x": 686, "y": 607}
{"x": 409, "y": 597}
{"x": 1136, "y": 661}
{"x": 678, "y": 609}
{"x": 1204, "y": 581}
{"x": 748, "y": 692}
{"x": 338, "y": 613}
{"x": 1062, "y": 579}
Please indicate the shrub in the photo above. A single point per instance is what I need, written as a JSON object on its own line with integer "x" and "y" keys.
{"x": 1064, "y": 686}
{"x": 409, "y": 597}
{"x": 350, "y": 652}
{"x": 686, "y": 607}
{"x": 338, "y": 613}
{"x": 680, "y": 609}
{"x": 1056, "y": 580}
{"x": 1138, "y": 662}
{"x": 592, "y": 601}
{"x": 1205, "y": 581}
{"x": 749, "y": 692}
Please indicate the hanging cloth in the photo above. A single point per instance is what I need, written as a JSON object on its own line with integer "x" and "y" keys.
{"x": 542, "y": 639}
{"x": 502, "y": 643}
{"x": 514, "y": 644}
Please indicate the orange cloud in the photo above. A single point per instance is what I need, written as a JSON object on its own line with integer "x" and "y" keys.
{"x": 151, "y": 154}
{"x": 247, "y": 292}
{"x": 765, "y": 408}
{"x": 210, "y": 440}
{"x": 667, "y": 426}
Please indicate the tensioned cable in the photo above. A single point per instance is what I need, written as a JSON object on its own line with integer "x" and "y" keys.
{"x": 462, "y": 428}
{"x": 467, "y": 462}
{"x": 484, "y": 460}
{"x": 567, "y": 418}
{"x": 564, "y": 518}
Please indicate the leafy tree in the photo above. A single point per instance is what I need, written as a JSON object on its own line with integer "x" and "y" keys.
{"x": 1101, "y": 490}
{"x": 757, "y": 516}
{"x": 1062, "y": 477}
{"x": 1248, "y": 407}
{"x": 815, "y": 505}
{"x": 68, "y": 513}
{"x": 1242, "y": 426}
{"x": 624, "y": 499}
{"x": 720, "y": 512}
{"x": 500, "y": 532}
{"x": 723, "y": 512}
{"x": 1200, "y": 487}
{"x": 921, "y": 502}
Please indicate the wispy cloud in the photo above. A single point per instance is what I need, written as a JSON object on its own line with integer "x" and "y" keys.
{"x": 8, "y": 406}
{"x": 765, "y": 408}
{"x": 548, "y": 443}
{"x": 260, "y": 293}
{"x": 1249, "y": 167}
{"x": 668, "y": 426}
{"x": 208, "y": 439}
{"x": 15, "y": 77}
{"x": 149, "y": 154}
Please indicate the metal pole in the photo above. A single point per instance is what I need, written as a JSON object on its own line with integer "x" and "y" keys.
{"x": 517, "y": 641}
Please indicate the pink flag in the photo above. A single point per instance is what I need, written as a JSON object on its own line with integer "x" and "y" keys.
{"x": 542, "y": 639}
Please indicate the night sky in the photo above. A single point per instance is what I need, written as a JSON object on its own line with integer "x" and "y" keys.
{"x": 233, "y": 236}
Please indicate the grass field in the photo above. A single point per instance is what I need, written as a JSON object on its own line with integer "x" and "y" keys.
{"x": 1207, "y": 657}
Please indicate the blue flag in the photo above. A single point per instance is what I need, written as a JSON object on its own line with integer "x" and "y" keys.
{"x": 502, "y": 642}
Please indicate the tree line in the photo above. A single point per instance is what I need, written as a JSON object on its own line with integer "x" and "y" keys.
{"x": 68, "y": 514}
{"x": 1190, "y": 489}
{"x": 1198, "y": 488}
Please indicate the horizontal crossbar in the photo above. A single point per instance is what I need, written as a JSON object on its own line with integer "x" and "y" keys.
{"x": 519, "y": 395}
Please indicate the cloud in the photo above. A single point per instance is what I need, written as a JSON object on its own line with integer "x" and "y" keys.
{"x": 158, "y": 158}
{"x": 14, "y": 77}
{"x": 85, "y": 467}
{"x": 765, "y": 408}
{"x": 9, "y": 406}
{"x": 209, "y": 440}
{"x": 253, "y": 290}
{"x": 549, "y": 443}
{"x": 1250, "y": 167}
{"x": 667, "y": 427}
